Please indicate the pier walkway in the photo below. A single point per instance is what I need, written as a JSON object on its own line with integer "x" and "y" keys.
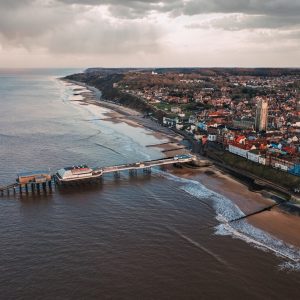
{"x": 147, "y": 164}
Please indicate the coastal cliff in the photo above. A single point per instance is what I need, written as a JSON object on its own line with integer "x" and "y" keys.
{"x": 106, "y": 83}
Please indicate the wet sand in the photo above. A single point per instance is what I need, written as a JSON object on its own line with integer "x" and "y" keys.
{"x": 282, "y": 225}
{"x": 120, "y": 114}
{"x": 278, "y": 223}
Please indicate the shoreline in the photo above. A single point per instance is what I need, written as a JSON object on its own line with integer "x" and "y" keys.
{"x": 277, "y": 222}
{"x": 170, "y": 141}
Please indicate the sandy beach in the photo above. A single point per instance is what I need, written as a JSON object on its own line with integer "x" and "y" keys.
{"x": 170, "y": 141}
{"x": 276, "y": 222}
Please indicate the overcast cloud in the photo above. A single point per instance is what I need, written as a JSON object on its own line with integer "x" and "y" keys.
{"x": 149, "y": 33}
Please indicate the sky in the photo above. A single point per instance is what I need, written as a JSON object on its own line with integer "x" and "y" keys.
{"x": 149, "y": 33}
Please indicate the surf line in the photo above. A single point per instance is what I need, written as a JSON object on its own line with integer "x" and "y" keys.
{"x": 269, "y": 208}
{"x": 228, "y": 222}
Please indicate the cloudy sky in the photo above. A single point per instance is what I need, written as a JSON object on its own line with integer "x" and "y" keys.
{"x": 78, "y": 33}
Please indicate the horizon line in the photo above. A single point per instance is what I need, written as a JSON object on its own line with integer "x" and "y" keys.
{"x": 160, "y": 67}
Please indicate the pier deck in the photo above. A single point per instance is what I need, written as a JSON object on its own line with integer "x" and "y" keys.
{"x": 147, "y": 164}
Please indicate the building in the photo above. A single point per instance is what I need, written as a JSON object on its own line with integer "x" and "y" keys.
{"x": 76, "y": 174}
{"x": 170, "y": 122}
{"x": 261, "y": 120}
{"x": 244, "y": 123}
{"x": 175, "y": 109}
{"x": 34, "y": 177}
{"x": 238, "y": 150}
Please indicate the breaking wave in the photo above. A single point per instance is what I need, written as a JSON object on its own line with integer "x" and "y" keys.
{"x": 227, "y": 211}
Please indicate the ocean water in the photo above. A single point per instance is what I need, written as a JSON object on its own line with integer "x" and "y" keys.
{"x": 144, "y": 237}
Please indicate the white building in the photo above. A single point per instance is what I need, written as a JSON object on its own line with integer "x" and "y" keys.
{"x": 238, "y": 151}
{"x": 253, "y": 157}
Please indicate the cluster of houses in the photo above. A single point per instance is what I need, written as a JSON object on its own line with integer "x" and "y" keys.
{"x": 254, "y": 117}
{"x": 272, "y": 148}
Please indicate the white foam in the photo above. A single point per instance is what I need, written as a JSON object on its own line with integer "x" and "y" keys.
{"x": 226, "y": 211}
{"x": 290, "y": 266}
{"x": 259, "y": 239}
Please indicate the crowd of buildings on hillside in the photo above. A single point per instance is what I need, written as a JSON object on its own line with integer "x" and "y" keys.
{"x": 253, "y": 117}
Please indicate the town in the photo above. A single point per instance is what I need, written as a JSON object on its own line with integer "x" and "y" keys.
{"x": 231, "y": 114}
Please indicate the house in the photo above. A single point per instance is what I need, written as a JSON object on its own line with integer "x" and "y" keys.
{"x": 192, "y": 119}
{"x": 175, "y": 109}
{"x": 170, "y": 122}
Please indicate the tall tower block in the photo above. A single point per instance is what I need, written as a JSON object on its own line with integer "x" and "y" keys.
{"x": 261, "y": 120}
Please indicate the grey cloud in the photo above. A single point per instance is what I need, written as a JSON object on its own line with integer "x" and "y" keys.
{"x": 105, "y": 39}
{"x": 62, "y": 29}
{"x": 65, "y": 26}
{"x": 139, "y": 8}
{"x": 24, "y": 22}
{"x": 259, "y": 13}
{"x": 263, "y": 7}
{"x": 14, "y": 3}
{"x": 245, "y": 14}
{"x": 194, "y": 7}
{"x": 236, "y": 22}
{"x": 132, "y": 9}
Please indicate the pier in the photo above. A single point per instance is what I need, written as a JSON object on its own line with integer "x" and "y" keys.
{"x": 42, "y": 181}
{"x": 146, "y": 165}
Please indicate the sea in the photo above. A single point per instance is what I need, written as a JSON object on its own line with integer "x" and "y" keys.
{"x": 154, "y": 236}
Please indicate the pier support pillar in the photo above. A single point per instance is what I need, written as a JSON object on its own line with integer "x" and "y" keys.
{"x": 50, "y": 184}
{"x": 26, "y": 188}
{"x": 147, "y": 170}
{"x": 132, "y": 172}
{"x": 117, "y": 174}
{"x": 44, "y": 186}
{"x": 38, "y": 187}
{"x": 32, "y": 188}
